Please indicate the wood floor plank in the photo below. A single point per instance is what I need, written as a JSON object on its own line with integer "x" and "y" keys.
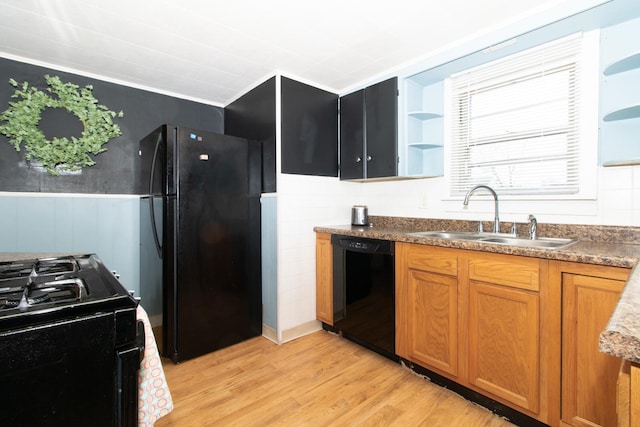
{"x": 317, "y": 380}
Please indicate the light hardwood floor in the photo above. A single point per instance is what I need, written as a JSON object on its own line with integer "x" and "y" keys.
{"x": 317, "y": 380}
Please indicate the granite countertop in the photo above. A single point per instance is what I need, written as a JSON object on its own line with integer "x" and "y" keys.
{"x": 601, "y": 245}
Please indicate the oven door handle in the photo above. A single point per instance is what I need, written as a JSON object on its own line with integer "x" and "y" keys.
{"x": 141, "y": 339}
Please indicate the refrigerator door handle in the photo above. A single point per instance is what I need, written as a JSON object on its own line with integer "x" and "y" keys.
{"x": 152, "y": 212}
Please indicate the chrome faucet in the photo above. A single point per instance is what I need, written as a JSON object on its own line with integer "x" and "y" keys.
{"x": 496, "y": 220}
{"x": 533, "y": 227}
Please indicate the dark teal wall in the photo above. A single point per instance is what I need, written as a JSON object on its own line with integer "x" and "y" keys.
{"x": 116, "y": 169}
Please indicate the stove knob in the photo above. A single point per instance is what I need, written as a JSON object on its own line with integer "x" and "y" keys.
{"x": 132, "y": 293}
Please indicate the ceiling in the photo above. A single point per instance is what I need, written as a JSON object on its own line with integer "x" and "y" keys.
{"x": 212, "y": 51}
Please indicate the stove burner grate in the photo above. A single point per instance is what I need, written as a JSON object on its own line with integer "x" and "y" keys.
{"x": 15, "y": 270}
{"x": 55, "y": 266}
{"x": 38, "y": 271}
{"x": 56, "y": 291}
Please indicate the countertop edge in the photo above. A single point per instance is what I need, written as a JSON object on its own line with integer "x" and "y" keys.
{"x": 620, "y": 345}
{"x": 599, "y": 253}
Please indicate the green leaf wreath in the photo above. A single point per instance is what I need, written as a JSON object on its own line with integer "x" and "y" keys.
{"x": 58, "y": 154}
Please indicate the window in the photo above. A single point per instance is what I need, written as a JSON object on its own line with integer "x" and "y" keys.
{"x": 518, "y": 125}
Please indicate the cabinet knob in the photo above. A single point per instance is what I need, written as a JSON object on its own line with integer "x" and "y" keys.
{"x": 358, "y": 159}
{"x": 369, "y": 158}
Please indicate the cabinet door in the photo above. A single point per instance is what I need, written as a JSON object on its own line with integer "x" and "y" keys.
{"x": 427, "y": 306}
{"x": 432, "y": 320}
{"x": 381, "y": 116}
{"x": 309, "y": 130}
{"x": 352, "y": 136}
{"x": 588, "y": 376}
{"x": 504, "y": 347}
{"x": 324, "y": 278}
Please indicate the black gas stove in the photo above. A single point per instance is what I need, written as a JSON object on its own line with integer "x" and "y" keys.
{"x": 70, "y": 343}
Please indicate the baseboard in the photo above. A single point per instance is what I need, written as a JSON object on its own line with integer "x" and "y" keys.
{"x": 300, "y": 331}
{"x": 269, "y": 333}
{"x": 290, "y": 334}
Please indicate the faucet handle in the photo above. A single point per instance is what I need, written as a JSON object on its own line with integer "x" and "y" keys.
{"x": 533, "y": 227}
{"x": 480, "y": 227}
{"x": 514, "y": 229}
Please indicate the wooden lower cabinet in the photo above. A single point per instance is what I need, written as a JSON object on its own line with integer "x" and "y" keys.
{"x": 427, "y": 307}
{"x": 589, "y": 378}
{"x": 629, "y": 405}
{"x": 504, "y": 343}
{"x": 476, "y": 318}
{"x": 324, "y": 278}
{"x": 504, "y": 327}
{"x": 433, "y": 325}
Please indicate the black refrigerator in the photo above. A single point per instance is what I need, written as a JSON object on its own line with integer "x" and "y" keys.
{"x": 202, "y": 198}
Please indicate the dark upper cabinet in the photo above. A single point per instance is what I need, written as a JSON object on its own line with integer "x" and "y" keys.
{"x": 352, "y": 135}
{"x": 253, "y": 116}
{"x": 381, "y": 120}
{"x": 309, "y": 138}
{"x": 369, "y": 132}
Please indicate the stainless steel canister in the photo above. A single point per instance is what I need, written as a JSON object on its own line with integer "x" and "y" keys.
{"x": 359, "y": 215}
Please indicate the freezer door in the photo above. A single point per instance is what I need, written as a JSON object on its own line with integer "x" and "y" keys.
{"x": 216, "y": 293}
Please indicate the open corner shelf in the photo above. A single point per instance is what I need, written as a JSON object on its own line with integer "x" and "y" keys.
{"x": 424, "y": 145}
{"x": 627, "y": 63}
{"x": 423, "y": 115}
{"x": 632, "y": 112}
{"x": 613, "y": 163}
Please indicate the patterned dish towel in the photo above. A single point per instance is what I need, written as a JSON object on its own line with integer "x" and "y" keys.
{"x": 154, "y": 398}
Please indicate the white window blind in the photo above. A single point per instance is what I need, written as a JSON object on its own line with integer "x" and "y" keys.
{"x": 515, "y": 122}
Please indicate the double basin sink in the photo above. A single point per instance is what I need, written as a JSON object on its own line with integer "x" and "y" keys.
{"x": 498, "y": 238}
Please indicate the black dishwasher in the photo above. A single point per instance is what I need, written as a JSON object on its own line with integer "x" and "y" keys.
{"x": 364, "y": 292}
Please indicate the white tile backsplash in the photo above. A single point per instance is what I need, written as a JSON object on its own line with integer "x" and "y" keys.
{"x": 618, "y": 216}
{"x": 617, "y": 199}
{"x": 615, "y": 178}
{"x": 304, "y": 202}
{"x": 635, "y": 176}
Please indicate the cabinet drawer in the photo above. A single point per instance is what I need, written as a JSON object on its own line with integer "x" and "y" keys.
{"x": 508, "y": 270}
{"x": 434, "y": 259}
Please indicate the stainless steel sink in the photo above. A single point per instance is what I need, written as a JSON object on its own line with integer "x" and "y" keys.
{"x": 541, "y": 242}
{"x": 498, "y": 238}
{"x": 453, "y": 235}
